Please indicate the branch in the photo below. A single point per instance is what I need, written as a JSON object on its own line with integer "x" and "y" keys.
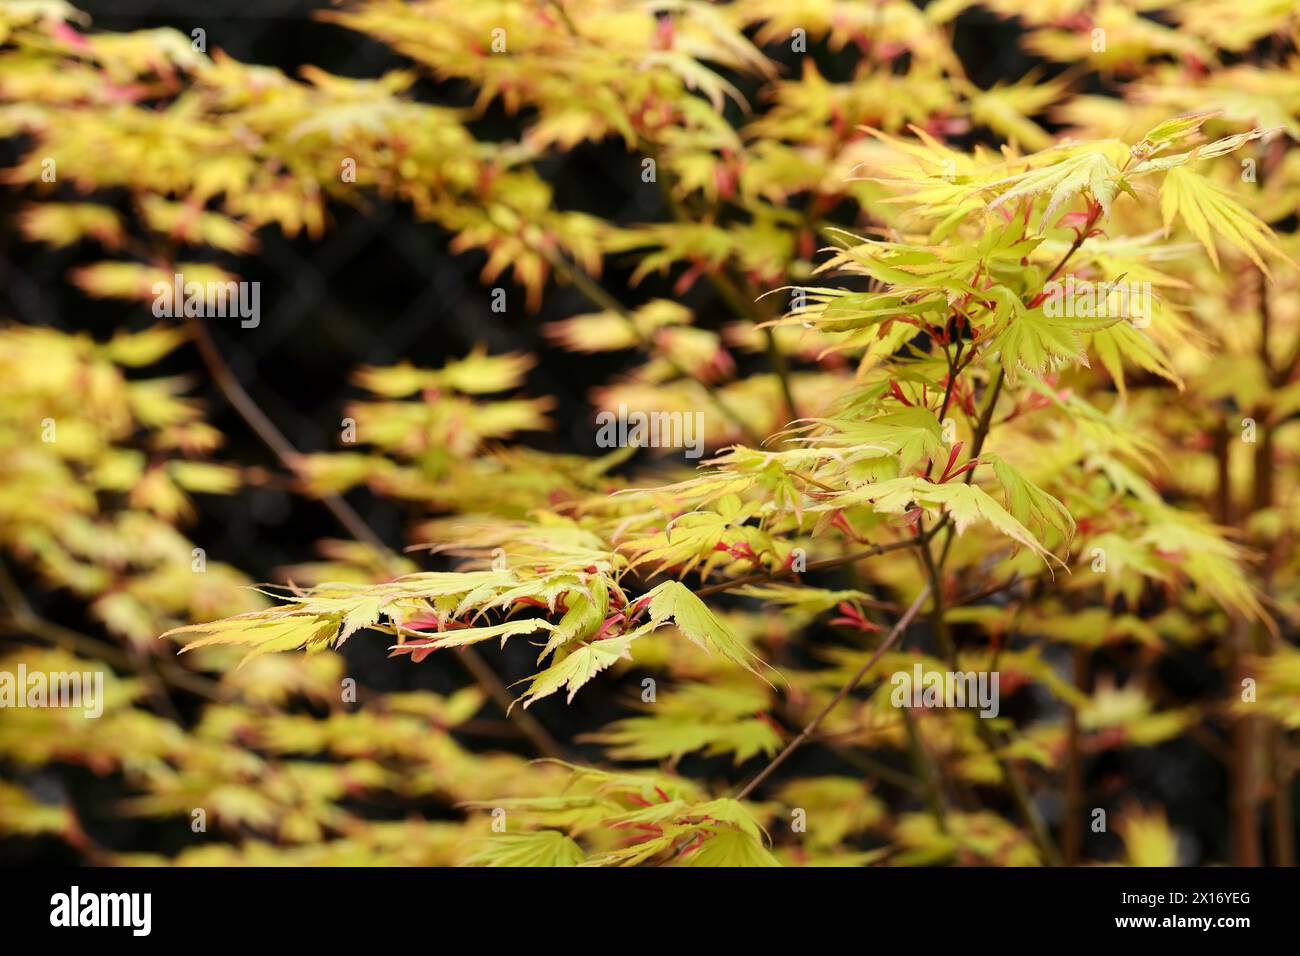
{"x": 763, "y": 577}
{"x": 843, "y": 692}
{"x": 1019, "y": 795}
{"x": 1079, "y": 240}
{"x": 977, "y": 446}
{"x": 274, "y": 439}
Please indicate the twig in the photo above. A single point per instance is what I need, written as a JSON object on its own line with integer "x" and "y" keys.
{"x": 1019, "y": 795}
{"x": 926, "y": 770}
{"x": 977, "y": 446}
{"x": 843, "y": 692}
{"x": 274, "y": 439}
{"x": 763, "y": 577}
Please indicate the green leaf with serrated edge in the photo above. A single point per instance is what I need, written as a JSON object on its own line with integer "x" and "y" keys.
{"x": 580, "y": 666}
{"x": 674, "y": 601}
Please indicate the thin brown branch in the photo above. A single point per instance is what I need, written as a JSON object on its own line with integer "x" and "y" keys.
{"x": 353, "y": 523}
{"x": 764, "y": 577}
{"x": 927, "y": 771}
{"x": 272, "y": 437}
{"x": 843, "y": 692}
{"x": 977, "y": 446}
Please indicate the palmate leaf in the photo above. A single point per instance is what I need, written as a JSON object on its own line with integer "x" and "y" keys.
{"x": 1090, "y": 170}
{"x": 1206, "y": 554}
{"x": 63, "y": 224}
{"x": 579, "y": 667}
{"x": 689, "y": 541}
{"x": 841, "y": 310}
{"x": 584, "y": 616}
{"x": 606, "y": 331}
{"x": 643, "y": 850}
{"x": 1029, "y": 504}
{"x": 696, "y": 76}
{"x": 1219, "y": 147}
{"x": 1208, "y": 212}
{"x": 1006, "y": 109}
{"x": 677, "y": 830}
{"x": 1028, "y": 338}
{"x": 1131, "y": 716}
{"x": 674, "y": 601}
{"x": 913, "y": 434}
{"x": 729, "y": 810}
{"x": 964, "y": 503}
{"x": 547, "y": 589}
{"x": 476, "y": 374}
{"x": 970, "y": 503}
{"x": 264, "y": 633}
{"x": 718, "y": 719}
{"x": 906, "y": 266}
{"x": 539, "y": 848}
{"x": 672, "y": 736}
{"x": 983, "y": 835}
{"x": 137, "y": 349}
{"x": 630, "y": 787}
{"x": 182, "y": 222}
{"x": 1032, "y": 341}
{"x": 318, "y": 617}
{"x": 727, "y": 846}
{"x": 841, "y": 806}
{"x": 1122, "y": 341}
{"x": 1171, "y": 131}
{"x": 574, "y": 813}
{"x": 462, "y": 637}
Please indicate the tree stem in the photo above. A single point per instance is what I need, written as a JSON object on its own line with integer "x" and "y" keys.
{"x": 840, "y": 694}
